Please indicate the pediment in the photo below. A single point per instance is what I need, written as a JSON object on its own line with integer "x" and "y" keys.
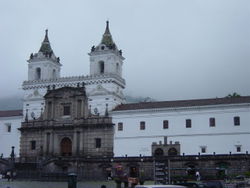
{"x": 65, "y": 92}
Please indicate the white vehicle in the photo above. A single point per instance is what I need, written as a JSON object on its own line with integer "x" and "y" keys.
{"x": 159, "y": 186}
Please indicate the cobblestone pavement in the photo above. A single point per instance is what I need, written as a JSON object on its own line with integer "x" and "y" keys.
{"x": 36, "y": 184}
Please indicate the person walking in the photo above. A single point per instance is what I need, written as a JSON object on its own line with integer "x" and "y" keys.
{"x": 8, "y": 175}
{"x": 198, "y": 177}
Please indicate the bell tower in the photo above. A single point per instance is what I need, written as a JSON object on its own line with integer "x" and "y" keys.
{"x": 106, "y": 61}
{"x": 44, "y": 65}
{"x": 104, "y": 85}
{"x": 43, "y": 72}
{"x": 106, "y": 58}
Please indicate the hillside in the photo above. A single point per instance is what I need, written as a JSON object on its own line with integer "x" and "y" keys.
{"x": 15, "y": 102}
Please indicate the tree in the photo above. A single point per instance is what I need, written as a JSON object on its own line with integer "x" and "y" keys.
{"x": 234, "y": 94}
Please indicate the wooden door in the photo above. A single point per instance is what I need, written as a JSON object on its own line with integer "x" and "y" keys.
{"x": 66, "y": 147}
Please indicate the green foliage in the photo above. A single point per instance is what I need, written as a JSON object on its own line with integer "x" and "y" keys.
{"x": 247, "y": 174}
{"x": 234, "y": 94}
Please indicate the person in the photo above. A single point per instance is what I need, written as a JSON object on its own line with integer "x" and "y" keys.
{"x": 13, "y": 175}
{"x": 109, "y": 176}
{"x": 103, "y": 186}
{"x": 8, "y": 175}
{"x": 198, "y": 177}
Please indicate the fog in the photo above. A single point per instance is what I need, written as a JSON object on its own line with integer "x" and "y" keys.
{"x": 174, "y": 50}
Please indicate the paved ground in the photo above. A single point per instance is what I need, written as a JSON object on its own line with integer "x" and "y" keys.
{"x": 36, "y": 184}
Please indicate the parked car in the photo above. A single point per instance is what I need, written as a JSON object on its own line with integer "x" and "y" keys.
{"x": 193, "y": 184}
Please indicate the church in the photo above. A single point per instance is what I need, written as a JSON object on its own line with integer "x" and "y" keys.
{"x": 186, "y": 127}
{"x": 66, "y": 127}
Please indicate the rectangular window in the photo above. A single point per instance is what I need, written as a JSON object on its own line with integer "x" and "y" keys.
{"x": 165, "y": 124}
{"x": 238, "y": 148}
{"x": 203, "y": 149}
{"x": 120, "y": 126}
{"x": 188, "y": 123}
{"x": 142, "y": 125}
{"x": 66, "y": 110}
{"x": 8, "y": 127}
{"x": 97, "y": 143}
{"x": 212, "y": 122}
{"x": 236, "y": 120}
{"x": 33, "y": 145}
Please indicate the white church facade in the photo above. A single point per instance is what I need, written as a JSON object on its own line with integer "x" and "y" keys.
{"x": 104, "y": 85}
{"x": 205, "y": 126}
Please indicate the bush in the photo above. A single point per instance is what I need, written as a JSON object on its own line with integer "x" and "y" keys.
{"x": 247, "y": 174}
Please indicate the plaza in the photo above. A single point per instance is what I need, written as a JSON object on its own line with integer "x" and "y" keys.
{"x": 31, "y": 184}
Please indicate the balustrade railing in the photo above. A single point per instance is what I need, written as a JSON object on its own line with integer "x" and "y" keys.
{"x": 71, "y": 122}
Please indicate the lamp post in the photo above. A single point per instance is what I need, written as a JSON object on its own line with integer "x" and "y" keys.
{"x": 142, "y": 173}
{"x": 72, "y": 180}
{"x": 12, "y": 162}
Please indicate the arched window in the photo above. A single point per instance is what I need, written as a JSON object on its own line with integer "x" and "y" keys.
{"x": 101, "y": 67}
{"x": 38, "y": 73}
{"x": 172, "y": 152}
{"x": 159, "y": 152}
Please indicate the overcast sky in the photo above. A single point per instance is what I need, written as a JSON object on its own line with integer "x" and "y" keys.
{"x": 174, "y": 49}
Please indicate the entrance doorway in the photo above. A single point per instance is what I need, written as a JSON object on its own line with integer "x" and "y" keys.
{"x": 66, "y": 147}
{"x": 133, "y": 172}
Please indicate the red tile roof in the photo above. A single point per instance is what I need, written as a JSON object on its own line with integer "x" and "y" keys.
{"x": 11, "y": 113}
{"x": 183, "y": 103}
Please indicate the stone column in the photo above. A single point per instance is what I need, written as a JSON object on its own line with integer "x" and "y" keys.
{"x": 74, "y": 144}
{"x": 78, "y": 142}
{"x": 53, "y": 110}
{"x": 56, "y": 145}
{"x": 51, "y": 143}
{"x": 81, "y": 148}
{"x": 47, "y": 111}
{"x": 45, "y": 143}
{"x": 48, "y": 143}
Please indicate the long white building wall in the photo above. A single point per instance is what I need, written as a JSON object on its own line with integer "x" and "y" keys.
{"x": 12, "y": 138}
{"x": 221, "y": 139}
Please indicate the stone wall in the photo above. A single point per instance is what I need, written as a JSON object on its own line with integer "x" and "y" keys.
{"x": 181, "y": 167}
